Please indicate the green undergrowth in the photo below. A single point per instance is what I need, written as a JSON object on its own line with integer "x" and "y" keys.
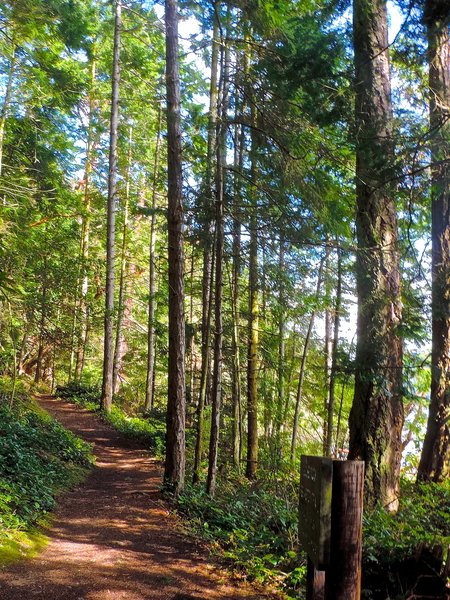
{"x": 38, "y": 460}
{"x": 390, "y": 542}
{"x": 148, "y": 429}
{"x": 255, "y": 529}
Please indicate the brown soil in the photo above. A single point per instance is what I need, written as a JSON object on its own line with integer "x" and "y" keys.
{"x": 113, "y": 537}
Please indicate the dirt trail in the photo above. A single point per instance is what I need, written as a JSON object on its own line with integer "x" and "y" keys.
{"x": 112, "y": 537}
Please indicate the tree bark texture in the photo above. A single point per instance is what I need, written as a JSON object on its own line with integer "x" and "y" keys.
{"x": 333, "y": 372}
{"x": 376, "y": 417}
{"x": 85, "y": 230}
{"x": 253, "y": 325}
{"x": 218, "y": 316}
{"x": 152, "y": 272}
{"x": 281, "y": 344}
{"x": 301, "y": 376}
{"x": 124, "y": 300}
{"x": 108, "y": 352}
{"x": 208, "y": 253}
{"x": 235, "y": 291}
{"x": 328, "y": 343}
{"x": 176, "y": 401}
{"x": 7, "y": 100}
{"x": 435, "y": 459}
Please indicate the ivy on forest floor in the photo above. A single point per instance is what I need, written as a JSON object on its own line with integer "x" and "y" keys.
{"x": 39, "y": 459}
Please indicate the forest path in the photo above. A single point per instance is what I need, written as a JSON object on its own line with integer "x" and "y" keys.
{"x": 112, "y": 537}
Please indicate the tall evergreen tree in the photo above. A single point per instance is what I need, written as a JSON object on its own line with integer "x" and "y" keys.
{"x": 108, "y": 351}
{"x": 176, "y": 402}
{"x": 376, "y": 418}
{"x": 435, "y": 459}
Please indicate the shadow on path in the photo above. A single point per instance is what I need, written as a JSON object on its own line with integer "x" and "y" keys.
{"x": 112, "y": 537}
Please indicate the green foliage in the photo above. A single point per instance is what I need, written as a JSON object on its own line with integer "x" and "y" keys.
{"x": 255, "y": 530}
{"x": 423, "y": 517}
{"x": 81, "y": 393}
{"x": 149, "y": 430}
{"x": 390, "y": 541}
{"x": 38, "y": 459}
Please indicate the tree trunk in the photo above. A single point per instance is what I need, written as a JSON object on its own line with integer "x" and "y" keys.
{"x": 208, "y": 258}
{"x": 281, "y": 346}
{"x": 435, "y": 459}
{"x": 334, "y": 349}
{"x": 85, "y": 230}
{"x": 376, "y": 417}
{"x": 108, "y": 355}
{"x": 301, "y": 377}
{"x": 123, "y": 304}
{"x": 235, "y": 291}
{"x": 253, "y": 321}
{"x": 328, "y": 343}
{"x": 40, "y": 354}
{"x": 73, "y": 331}
{"x": 192, "y": 332}
{"x": 218, "y": 317}
{"x": 7, "y": 100}
{"x": 149, "y": 399}
{"x": 176, "y": 401}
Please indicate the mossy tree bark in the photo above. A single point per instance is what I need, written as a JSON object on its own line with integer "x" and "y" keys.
{"x": 376, "y": 417}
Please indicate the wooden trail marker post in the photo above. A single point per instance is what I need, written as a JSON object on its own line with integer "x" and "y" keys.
{"x": 330, "y": 526}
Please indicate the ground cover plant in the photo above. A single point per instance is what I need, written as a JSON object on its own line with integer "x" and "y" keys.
{"x": 38, "y": 460}
{"x": 256, "y": 531}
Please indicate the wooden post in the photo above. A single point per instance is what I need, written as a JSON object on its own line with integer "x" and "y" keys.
{"x": 315, "y": 582}
{"x": 343, "y": 576}
{"x": 315, "y": 520}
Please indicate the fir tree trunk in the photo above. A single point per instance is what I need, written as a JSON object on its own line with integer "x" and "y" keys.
{"x": 208, "y": 253}
{"x": 149, "y": 399}
{"x": 218, "y": 317}
{"x": 328, "y": 342}
{"x": 123, "y": 304}
{"x": 376, "y": 418}
{"x": 301, "y": 377}
{"x": 85, "y": 230}
{"x": 235, "y": 290}
{"x": 435, "y": 459}
{"x": 253, "y": 323}
{"x": 334, "y": 350}
{"x": 192, "y": 332}
{"x": 108, "y": 352}
{"x": 281, "y": 346}
{"x": 7, "y": 100}
{"x": 40, "y": 355}
{"x": 174, "y": 471}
